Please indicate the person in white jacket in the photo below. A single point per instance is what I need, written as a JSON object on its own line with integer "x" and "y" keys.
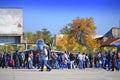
{"x": 45, "y": 59}
{"x": 80, "y": 57}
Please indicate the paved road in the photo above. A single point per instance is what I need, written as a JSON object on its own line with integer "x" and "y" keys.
{"x": 76, "y": 74}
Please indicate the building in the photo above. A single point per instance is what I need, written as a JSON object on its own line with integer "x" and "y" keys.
{"x": 59, "y": 38}
{"x": 113, "y": 32}
{"x": 110, "y": 37}
{"x": 11, "y": 25}
{"x": 97, "y": 36}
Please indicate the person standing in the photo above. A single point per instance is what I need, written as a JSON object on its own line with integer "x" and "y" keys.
{"x": 72, "y": 59}
{"x": 80, "y": 57}
{"x": 114, "y": 61}
{"x": 21, "y": 59}
{"x": 109, "y": 60}
{"x": 83, "y": 58}
{"x": 64, "y": 60}
{"x": 30, "y": 60}
{"x": 118, "y": 60}
{"x": 16, "y": 59}
{"x": 1, "y": 59}
{"x": 45, "y": 59}
{"x": 90, "y": 58}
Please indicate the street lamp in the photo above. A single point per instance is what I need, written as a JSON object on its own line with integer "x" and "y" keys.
{"x": 26, "y": 41}
{"x": 6, "y": 48}
{"x": 53, "y": 42}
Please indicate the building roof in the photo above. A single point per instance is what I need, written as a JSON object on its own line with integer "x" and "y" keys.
{"x": 97, "y": 36}
{"x": 116, "y": 43}
{"x": 108, "y": 40}
{"x": 110, "y": 37}
{"x": 113, "y": 32}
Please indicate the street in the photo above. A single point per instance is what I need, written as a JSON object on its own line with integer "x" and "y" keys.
{"x": 74, "y": 74}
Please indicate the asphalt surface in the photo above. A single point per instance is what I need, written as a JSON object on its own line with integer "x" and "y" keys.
{"x": 74, "y": 74}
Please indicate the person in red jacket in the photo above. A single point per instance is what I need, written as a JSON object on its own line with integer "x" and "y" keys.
{"x": 12, "y": 63}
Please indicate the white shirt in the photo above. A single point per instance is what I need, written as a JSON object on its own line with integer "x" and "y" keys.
{"x": 65, "y": 56}
{"x": 83, "y": 56}
{"x": 45, "y": 54}
{"x": 80, "y": 56}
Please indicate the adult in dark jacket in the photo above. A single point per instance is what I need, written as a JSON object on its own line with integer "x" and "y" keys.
{"x": 109, "y": 59}
{"x": 16, "y": 59}
{"x": 114, "y": 61}
{"x": 0, "y": 59}
{"x": 90, "y": 60}
{"x": 72, "y": 59}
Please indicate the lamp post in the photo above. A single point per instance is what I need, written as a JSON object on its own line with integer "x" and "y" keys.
{"x": 6, "y": 48}
{"x": 26, "y": 41}
{"x": 53, "y": 42}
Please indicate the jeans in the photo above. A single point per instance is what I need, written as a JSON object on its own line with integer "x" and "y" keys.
{"x": 104, "y": 64}
{"x": 84, "y": 65}
{"x": 30, "y": 64}
{"x": 109, "y": 65}
{"x": 97, "y": 64}
{"x": 64, "y": 65}
{"x": 44, "y": 62}
{"x": 118, "y": 64}
{"x": 57, "y": 66}
{"x": 80, "y": 64}
{"x": 72, "y": 66}
{"x": 17, "y": 64}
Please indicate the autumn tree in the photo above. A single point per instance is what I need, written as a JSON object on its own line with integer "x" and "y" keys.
{"x": 82, "y": 31}
{"x": 65, "y": 30}
{"x": 70, "y": 44}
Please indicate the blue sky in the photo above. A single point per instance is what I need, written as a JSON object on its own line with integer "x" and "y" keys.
{"x": 55, "y": 14}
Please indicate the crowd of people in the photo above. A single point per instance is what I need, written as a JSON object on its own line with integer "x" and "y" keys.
{"x": 59, "y": 60}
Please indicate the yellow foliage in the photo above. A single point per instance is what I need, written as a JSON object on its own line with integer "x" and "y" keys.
{"x": 70, "y": 44}
{"x": 79, "y": 34}
{"x": 82, "y": 30}
{"x": 94, "y": 43}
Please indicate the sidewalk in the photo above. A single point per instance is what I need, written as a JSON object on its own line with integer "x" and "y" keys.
{"x": 76, "y": 74}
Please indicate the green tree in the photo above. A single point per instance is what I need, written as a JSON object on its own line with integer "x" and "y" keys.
{"x": 37, "y": 35}
{"x": 46, "y": 35}
{"x": 28, "y": 37}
